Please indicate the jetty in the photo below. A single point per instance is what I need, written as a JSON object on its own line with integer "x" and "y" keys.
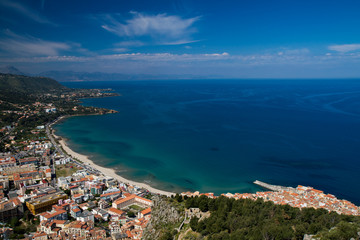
{"x": 275, "y": 188}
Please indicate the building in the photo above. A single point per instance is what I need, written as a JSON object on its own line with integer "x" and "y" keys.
{"x": 4, "y": 182}
{"x": 10, "y": 209}
{"x": 27, "y": 178}
{"x": 7, "y": 162}
{"x": 130, "y": 200}
{"x": 42, "y": 204}
{"x": 111, "y": 196}
{"x": 146, "y": 213}
{"x": 116, "y": 213}
{"x": 29, "y": 160}
{"x": 52, "y": 226}
{"x": 85, "y": 216}
{"x": 53, "y": 215}
{"x": 75, "y": 211}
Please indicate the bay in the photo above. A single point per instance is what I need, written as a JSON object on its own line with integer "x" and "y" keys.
{"x": 221, "y": 135}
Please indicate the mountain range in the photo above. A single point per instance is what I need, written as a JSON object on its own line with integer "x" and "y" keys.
{"x": 72, "y": 76}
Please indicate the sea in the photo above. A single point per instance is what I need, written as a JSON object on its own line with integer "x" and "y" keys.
{"x": 221, "y": 135}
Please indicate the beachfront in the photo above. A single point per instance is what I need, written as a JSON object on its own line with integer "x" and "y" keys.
{"x": 105, "y": 171}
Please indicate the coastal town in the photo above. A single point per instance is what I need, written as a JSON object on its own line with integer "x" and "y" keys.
{"x": 299, "y": 197}
{"x": 81, "y": 203}
{"x": 48, "y": 191}
{"x": 69, "y": 199}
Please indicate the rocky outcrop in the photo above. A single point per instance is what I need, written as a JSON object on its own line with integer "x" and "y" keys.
{"x": 165, "y": 217}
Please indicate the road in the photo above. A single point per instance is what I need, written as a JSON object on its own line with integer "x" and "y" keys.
{"x": 63, "y": 153}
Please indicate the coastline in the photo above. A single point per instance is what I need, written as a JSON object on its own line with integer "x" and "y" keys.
{"x": 105, "y": 171}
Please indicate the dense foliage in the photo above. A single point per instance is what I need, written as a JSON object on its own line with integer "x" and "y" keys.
{"x": 26, "y": 84}
{"x": 248, "y": 219}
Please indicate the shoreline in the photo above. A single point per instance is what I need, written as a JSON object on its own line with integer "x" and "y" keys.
{"x": 105, "y": 171}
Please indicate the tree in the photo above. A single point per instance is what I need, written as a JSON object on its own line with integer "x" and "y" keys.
{"x": 14, "y": 221}
{"x": 67, "y": 192}
{"x": 178, "y": 197}
{"x": 166, "y": 236}
{"x": 131, "y": 214}
{"x": 203, "y": 205}
{"x": 194, "y": 223}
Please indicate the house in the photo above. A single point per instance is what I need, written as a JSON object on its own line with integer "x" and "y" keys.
{"x": 7, "y": 162}
{"x": 111, "y": 196}
{"x": 63, "y": 182}
{"x": 29, "y": 160}
{"x": 97, "y": 189}
{"x": 62, "y": 161}
{"x": 75, "y": 211}
{"x": 50, "y": 110}
{"x": 48, "y": 174}
{"x": 85, "y": 216}
{"x": 116, "y": 213}
{"x": 4, "y": 181}
{"x": 11, "y": 208}
{"x": 51, "y": 226}
{"x": 53, "y": 215}
{"x": 114, "y": 227}
{"x": 79, "y": 229}
{"x": 145, "y": 213}
{"x": 40, "y": 236}
{"x": 102, "y": 213}
{"x": 78, "y": 198}
{"x": 103, "y": 204}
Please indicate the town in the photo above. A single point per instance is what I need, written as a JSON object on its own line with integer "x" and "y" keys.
{"x": 68, "y": 199}
{"x": 299, "y": 197}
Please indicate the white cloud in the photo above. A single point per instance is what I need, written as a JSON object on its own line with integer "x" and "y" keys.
{"x": 25, "y": 11}
{"x": 344, "y": 48}
{"x": 160, "y": 28}
{"x": 163, "y": 60}
{"x": 16, "y": 45}
{"x": 143, "y": 57}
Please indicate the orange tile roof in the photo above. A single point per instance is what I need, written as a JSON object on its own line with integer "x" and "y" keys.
{"x": 50, "y": 215}
{"x": 146, "y": 211}
{"x": 109, "y": 194}
{"x": 116, "y": 211}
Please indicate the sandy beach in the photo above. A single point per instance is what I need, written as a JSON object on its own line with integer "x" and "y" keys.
{"x": 107, "y": 171}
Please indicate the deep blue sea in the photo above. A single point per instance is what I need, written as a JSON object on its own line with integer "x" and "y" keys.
{"x": 221, "y": 135}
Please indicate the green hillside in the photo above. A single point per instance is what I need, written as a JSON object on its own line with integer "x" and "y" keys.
{"x": 25, "y": 84}
{"x": 20, "y": 89}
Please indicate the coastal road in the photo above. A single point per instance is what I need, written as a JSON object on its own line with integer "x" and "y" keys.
{"x": 63, "y": 153}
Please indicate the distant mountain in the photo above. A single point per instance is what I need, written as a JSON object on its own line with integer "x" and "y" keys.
{"x": 69, "y": 76}
{"x": 11, "y": 70}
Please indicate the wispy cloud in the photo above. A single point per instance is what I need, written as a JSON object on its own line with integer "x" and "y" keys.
{"x": 25, "y": 11}
{"x": 289, "y": 57}
{"x": 134, "y": 43}
{"x": 345, "y": 47}
{"x": 143, "y": 57}
{"x": 160, "y": 28}
{"x": 16, "y": 45}
{"x": 272, "y": 63}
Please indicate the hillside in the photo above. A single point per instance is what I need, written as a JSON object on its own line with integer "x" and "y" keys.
{"x": 19, "y": 88}
{"x": 25, "y": 84}
{"x": 225, "y": 218}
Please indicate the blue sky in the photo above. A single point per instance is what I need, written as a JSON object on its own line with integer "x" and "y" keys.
{"x": 210, "y": 39}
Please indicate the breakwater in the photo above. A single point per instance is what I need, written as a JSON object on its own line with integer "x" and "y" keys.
{"x": 275, "y": 188}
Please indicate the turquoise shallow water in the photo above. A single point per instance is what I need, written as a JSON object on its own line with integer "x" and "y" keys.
{"x": 221, "y": 135}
